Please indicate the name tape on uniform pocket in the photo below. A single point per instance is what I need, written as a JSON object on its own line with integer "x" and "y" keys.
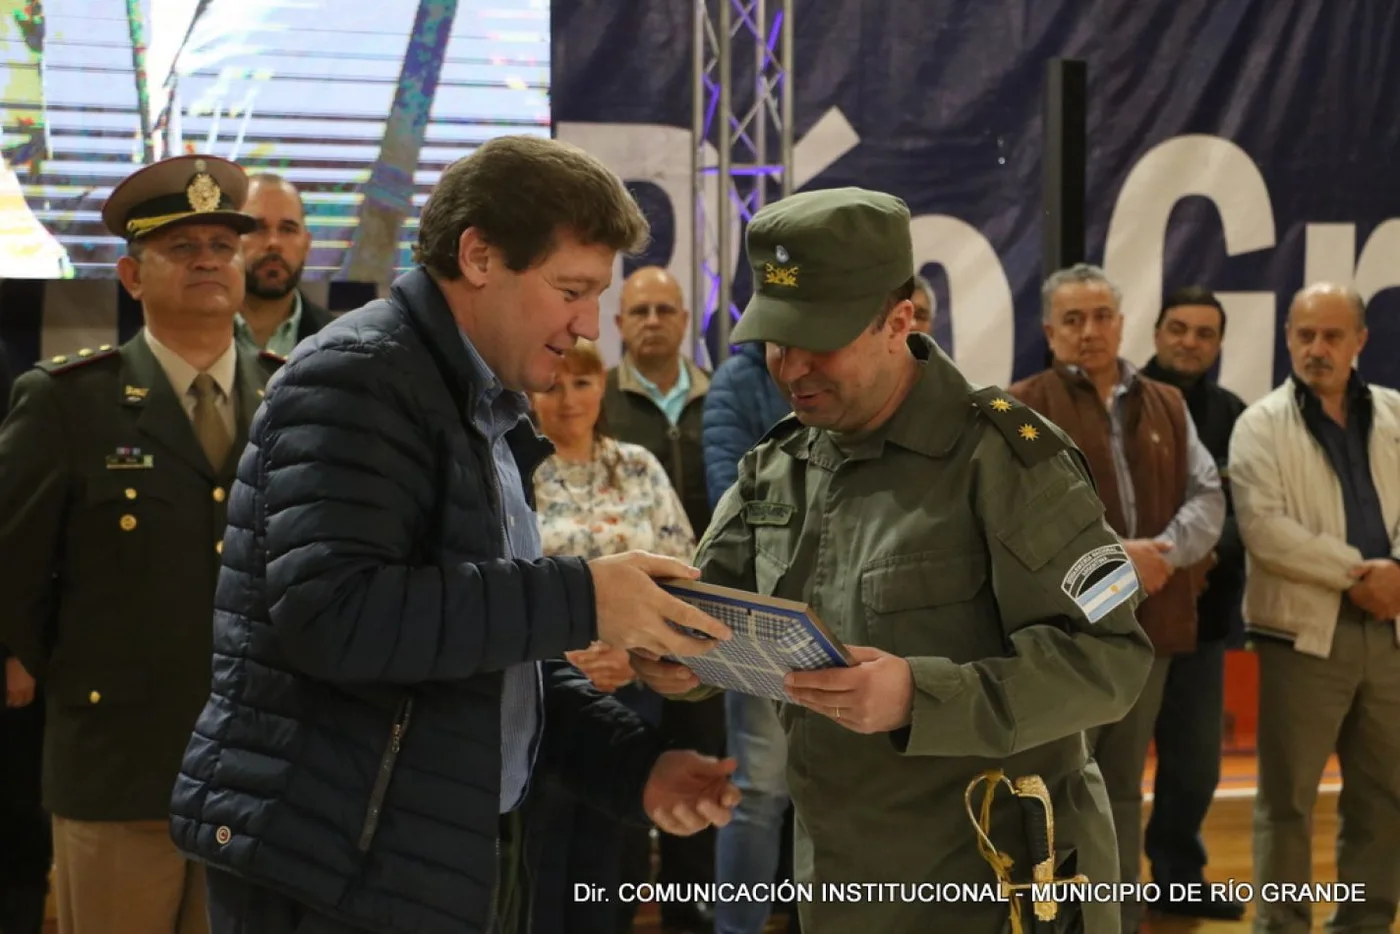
{"x": 130, "y": 459}
{"x": 768, "y": 512}
{"x": 1101, "y": 581}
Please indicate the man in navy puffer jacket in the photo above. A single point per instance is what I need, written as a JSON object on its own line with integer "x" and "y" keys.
{"x": 383, "y": 616}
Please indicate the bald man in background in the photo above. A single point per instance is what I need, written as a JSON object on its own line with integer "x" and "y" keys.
{"x": 656, "y": 398}
{"x": 275, "y": 315}
{"x": 1315, "y": 472}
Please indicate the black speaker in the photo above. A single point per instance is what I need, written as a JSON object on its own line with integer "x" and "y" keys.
{"x": 1066, "y": 156}
{"x": 347, "y": 296}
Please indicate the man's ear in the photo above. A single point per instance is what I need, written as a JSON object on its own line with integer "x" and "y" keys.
{"x": 474, "y": 256}
{"x": 900, "y": 322}
{"x": 129, "y": 272}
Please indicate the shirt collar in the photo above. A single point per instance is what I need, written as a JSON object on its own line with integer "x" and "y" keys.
{"x": 283, "y": 339}
{"x": 682, "y": 387}
{"x": 1358, "y": 391}
{"x": 181, "y": 374}
{"x": 495, "y": 398}
{"x": 1127, "y": 375}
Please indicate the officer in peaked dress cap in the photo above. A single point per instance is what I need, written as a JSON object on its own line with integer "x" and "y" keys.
{"x": 180, "y": 190}
{"x": 115, "y": 471}
{"x": 953, "y": 541}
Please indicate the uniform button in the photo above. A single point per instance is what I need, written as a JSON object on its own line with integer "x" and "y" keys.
{"x": 128, "y": 522}
{"x": 223, "y": 835}
{"x": 219, "y": 547}
{"x": 130, "y": 493}
{"x": 219, "y": 494}
{"x": 95, "y": 697}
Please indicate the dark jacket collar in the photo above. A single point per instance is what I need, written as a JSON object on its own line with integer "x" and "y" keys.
{"x": 1153, "y": 369}
{"x": 425, "y": 309}
{"x": 1358, "y": 392}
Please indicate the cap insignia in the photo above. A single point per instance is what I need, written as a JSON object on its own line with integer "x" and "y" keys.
{"x": 782, "y": 254}
{"x": 203, "y": 192}
{"x": 780, "y": 275}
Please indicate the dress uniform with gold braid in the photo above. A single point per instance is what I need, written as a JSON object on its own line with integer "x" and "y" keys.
{"x": 111, "y": 525}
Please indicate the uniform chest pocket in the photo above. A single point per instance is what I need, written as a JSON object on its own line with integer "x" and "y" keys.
{"x": 121, "y": 516}
{"x": 930, "y": 603}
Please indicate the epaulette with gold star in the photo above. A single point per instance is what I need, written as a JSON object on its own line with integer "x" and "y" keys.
{"x": 1027, "y": 433}
{"x": 64, "y": 363}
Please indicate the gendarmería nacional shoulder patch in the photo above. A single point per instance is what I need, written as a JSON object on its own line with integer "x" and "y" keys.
{"x": 1100, "y": 581}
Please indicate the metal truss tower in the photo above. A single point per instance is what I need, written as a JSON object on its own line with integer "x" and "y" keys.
{"x": 742, "y": 118}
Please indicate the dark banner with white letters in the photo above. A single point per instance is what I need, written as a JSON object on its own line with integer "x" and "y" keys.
{"x": 1250, "y": 146}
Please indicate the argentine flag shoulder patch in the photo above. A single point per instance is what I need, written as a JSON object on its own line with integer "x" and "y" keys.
{"x": 1100, "y": 581}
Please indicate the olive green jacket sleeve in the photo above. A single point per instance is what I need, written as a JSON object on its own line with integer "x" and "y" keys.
{"x": 33, "y": 498}
{"x": 1067, "y": 667}
{"x": 725, "y": 555}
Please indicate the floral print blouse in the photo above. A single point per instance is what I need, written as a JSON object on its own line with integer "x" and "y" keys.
{"x": 585, "y": 511}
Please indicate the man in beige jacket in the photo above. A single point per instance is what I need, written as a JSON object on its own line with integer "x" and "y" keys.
{"x": 1315, "y": 469}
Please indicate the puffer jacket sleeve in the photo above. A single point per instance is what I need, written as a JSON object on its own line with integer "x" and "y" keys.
{"x": 349, "y": 484}
{"x": 740, "y": 407}
{"x": 600, "y": 749}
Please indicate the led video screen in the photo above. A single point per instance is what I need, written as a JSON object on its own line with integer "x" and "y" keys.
{"x": 359, "y": 103}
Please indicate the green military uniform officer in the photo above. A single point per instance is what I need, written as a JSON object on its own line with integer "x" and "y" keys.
{"x": 954, "y": 541}
{"x": 115, "y": 470}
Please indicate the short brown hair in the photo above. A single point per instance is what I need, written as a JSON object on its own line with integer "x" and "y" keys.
{"x": 902, "y": 293}
{"x": 520, "y": 192}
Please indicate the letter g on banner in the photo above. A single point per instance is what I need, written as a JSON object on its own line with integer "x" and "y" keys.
{"x": 1179, "y": 168}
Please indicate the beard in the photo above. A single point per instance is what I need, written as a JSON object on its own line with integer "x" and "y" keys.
{"x": 271, "y": 290}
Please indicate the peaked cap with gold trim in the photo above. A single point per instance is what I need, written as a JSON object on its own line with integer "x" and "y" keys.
{"x": 180, "y": 190}
{"x": 823, "y": 264}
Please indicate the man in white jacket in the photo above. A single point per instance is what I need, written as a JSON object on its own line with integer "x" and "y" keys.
{"x": 1315, "y": 470}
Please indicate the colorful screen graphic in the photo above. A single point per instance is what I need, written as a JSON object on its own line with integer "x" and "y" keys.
{"x": 359, "y": 103}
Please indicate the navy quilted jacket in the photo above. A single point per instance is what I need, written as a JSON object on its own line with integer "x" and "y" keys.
{"x": 350, "y": 753}
{"x": 742, "y": 404}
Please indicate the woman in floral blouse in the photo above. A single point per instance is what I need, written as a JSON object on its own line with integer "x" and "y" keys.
{"x": 595, "y": 496}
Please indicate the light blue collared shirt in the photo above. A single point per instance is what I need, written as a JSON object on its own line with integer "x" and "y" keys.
{"x": 522, "y": 697}
{"x": 1195, "y": 528}
{"x": 283, "y": 340}
{"x": 673, "y": 402}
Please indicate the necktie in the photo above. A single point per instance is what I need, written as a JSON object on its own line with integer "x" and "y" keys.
{"x": 209, "y": 425}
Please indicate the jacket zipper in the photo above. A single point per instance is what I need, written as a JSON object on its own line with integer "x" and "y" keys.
{"x": 499, "y": 507}
{"x": 386, "y": 772}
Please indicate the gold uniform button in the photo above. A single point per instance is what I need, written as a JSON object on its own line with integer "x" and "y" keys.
{"x": 85, "y": 352}
{"x": 219, "y": 494}
{"x": 128, "y": 522}
{"x": 218, "y": 548}
{"x": 130, "y": 493}
{"x": 95, "y": 697}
